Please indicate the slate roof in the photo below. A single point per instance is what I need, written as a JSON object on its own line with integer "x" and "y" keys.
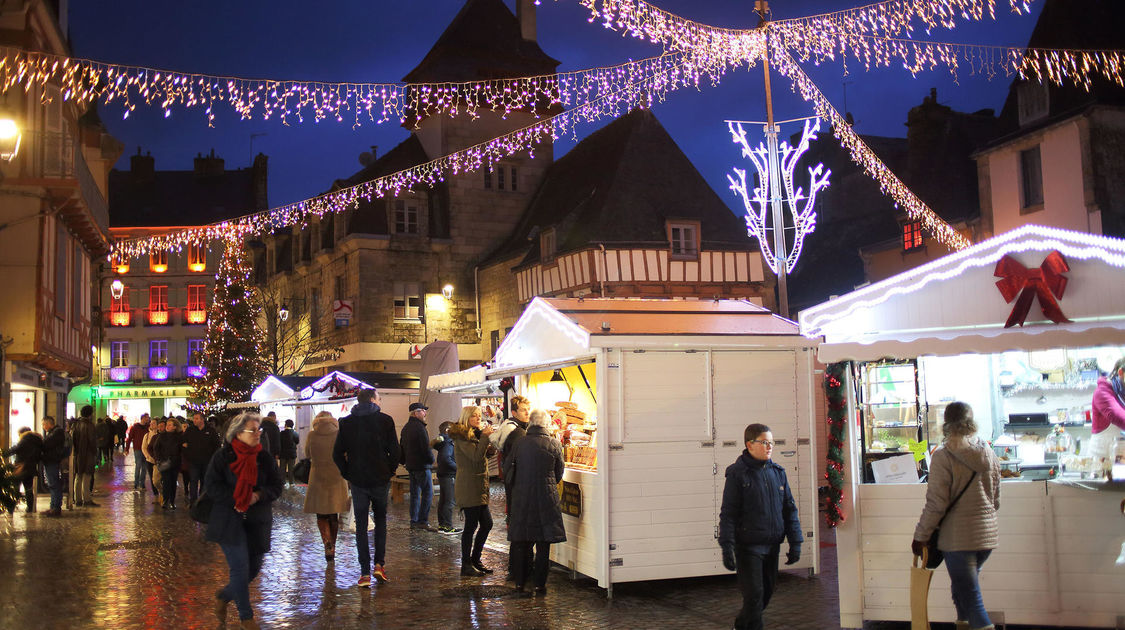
{"x": 618, "y": 186}
{"x": 482, "y": 42}
{"x": 174, "y": 198}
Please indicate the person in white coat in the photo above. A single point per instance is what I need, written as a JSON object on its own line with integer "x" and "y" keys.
{"x": 963, "y": 466}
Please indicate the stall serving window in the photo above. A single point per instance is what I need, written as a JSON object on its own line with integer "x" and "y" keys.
{"x": 567, "y": 394}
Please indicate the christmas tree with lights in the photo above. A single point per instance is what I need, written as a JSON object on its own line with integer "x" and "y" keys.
{"x": 235, "y": 344}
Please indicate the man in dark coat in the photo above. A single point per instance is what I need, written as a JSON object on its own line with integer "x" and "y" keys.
{"x": 271, "y": 435}
{"x": 366, "y": 452}
{"x": 122, "y": 431}
{"x": 200, "y": 443}
{"x": 414, "y": 443}
{"x": 514, "y": 428}
{"x": 757, "y": 513}
{"x": 85, "y": 440}
{"x": 287, "y": 454}
{"x": 532, "y": 474}
{"x": 106, "y": 431}
{"x": 28, "y": 453}
{"x": 54, "y": 451}
{"x": 446, "y": 474}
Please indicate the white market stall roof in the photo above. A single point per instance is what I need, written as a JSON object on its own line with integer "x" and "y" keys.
{"x": 557, "y": 331}
{"x": 953, "y": 305}
{"x": 290, "y": 389}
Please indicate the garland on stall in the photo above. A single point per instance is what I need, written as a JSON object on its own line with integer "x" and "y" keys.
{"x": 834, "y": 469}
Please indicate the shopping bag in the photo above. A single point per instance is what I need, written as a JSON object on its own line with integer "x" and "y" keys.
{"x": 920, "y": 578}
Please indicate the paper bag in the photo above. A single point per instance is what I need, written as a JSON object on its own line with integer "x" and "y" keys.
{"x": 920, "y": 578}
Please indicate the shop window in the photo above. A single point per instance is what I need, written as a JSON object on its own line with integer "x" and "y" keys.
{"x": 197, "y": 257}
{"x": 158, "y": 261}
{"x": 912, "y": 236}
{"x": 548, "y": 244}
{"x": 196, "y": 311}
{"x": 407, "y": 301}
{"x": 684, "y": 239}
{"x": 61, "y": 242}
{"x": 119, "y": 353}
{"x": 406, "y": 217}
{"x": 1031, "y": 179}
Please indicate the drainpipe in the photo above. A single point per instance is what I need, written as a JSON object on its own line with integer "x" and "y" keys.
{"x": 605, "y": 268}
{"x": 476, "y": 296}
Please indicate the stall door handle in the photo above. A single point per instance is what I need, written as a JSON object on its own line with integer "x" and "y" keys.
{"x": 788, "y": 453}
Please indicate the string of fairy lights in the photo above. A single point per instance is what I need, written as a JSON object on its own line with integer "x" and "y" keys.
{"x": 877, "y": 35}
{"x": 644, "y": 92}
{"x": 86, "y": 81}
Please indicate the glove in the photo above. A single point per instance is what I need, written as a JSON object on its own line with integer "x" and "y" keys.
{"x": 729, "y": 558}
{"x": 918, "y": 546}
{"x": 794, "y": 554}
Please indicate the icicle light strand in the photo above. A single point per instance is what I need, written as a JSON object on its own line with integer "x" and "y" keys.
{"x": 642, "y": 92}
{"x": 862, "y": 154}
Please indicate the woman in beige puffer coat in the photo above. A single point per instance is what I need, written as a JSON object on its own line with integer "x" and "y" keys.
{"x": 968, "y": 532}
{"x": 327, "y": 494}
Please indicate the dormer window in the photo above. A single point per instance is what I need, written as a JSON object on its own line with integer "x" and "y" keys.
{"x": 548, "y": 246}
{"x": 1033, "y": 101}
{"x": 197, "y": 257}
{"x": 406, "y": 217}
{"x": 158, "y": 261}
{"x": 912, "y": 236}
{"x": 683, "y": 236}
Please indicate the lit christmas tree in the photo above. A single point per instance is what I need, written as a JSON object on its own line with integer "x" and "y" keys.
{"x": 235, "y": 344}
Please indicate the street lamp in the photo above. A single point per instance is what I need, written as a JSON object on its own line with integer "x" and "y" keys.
{"x": 117, "y": 289}
{"x": 10, "y": 137}
{"x": 447, "y": 292}
{"x": 283, "y": 312}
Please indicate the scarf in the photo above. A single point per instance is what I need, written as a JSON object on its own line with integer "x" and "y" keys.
{"x": 245, "y": 468}
{"x": 1118, "y": 388}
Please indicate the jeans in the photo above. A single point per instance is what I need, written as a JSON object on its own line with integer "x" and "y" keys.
{"x": 480, "y": 519}
{"x": 195, "y": 480}
{"x": 421, "y": 496}
{"x": 757, "y": 577}
{"x": 54, "y": 482}
{"x": 140, "y": 470}
{"x": 244, "y": 567}
{"x": 286, "y": 469}
{"x": 363, "y": 501}
{"x": 82, "y": 483}
{"x": 964, "y": 570}
{"x": 522, "y": 562}
{"x": 28, "y": 484}
{"x": 445, "y": 501}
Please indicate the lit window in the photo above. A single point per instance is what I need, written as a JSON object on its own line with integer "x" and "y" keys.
{"x": 912, "y": 236}
{"x": 684, "y": 238}
{"x": 197, "y": 258}
{"x": 120, "y": 264}
{"x": 158, "y": 261}
{"x": 548, "y": 245}
{"x": 158, "y": 305}
{"x": 158, "y": 352}
{"x": 119, "y": 353}
{"x": 120, "y": 314}
{"x": 196, "y": 312}
{"x": 407, "y": 301}
{"x": 1031, "y": 178}
{"x": 195, "y": 351}
{"x": 406, "y": 217}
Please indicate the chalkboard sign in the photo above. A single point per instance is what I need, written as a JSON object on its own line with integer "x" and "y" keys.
{"x": 570, "y": 499}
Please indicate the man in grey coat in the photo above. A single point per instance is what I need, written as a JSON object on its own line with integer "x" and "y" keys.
{"x": 963, "y": 496}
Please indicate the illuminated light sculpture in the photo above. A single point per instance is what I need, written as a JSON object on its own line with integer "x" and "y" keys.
{"x": 195, "y": 316}
{"x": 195, "y": 371}
{"x": 158, "y": 317}
{"x": 159, "y": 372}
{"x": 120, "y": 318}
{"x": 120, "y": 374}
{"x": 802, "y": 215}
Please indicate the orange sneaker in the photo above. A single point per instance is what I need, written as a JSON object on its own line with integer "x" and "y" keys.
{"x": 380, "y": 574}
{"x": 365, "y": 581}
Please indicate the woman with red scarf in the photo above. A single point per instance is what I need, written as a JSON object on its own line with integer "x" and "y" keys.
{"x": 242, "y": 481}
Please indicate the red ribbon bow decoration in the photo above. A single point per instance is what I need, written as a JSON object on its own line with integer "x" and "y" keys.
{"x": 1045, "y": 283}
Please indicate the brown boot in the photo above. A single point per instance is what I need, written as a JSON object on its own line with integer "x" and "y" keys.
{"x": 221, "y": 609}
{"x": 326, "y": 537}
{"x": 249, "y": 624}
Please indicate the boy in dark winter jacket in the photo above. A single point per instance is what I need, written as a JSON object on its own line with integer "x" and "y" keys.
{"x": 288, "y": 454}
{"x": 446, "y": 472}
{"x": 758, "y": 512}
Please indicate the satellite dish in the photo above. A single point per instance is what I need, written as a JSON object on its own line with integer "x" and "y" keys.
{"x": 365, "y": 158}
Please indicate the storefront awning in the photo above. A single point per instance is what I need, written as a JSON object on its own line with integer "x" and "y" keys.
{"x": 953, "y": 305}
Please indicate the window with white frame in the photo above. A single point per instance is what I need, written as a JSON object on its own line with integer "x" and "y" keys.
{"x": 119, "y": 353}
{"x": 1031, "y": 179}
{"x": 406, "y": 216}
{"x": 158, "y": 352}
{"x": 684, "y": 238}
{"x": 195, "y": 351}
{"x": 407, "y": 301}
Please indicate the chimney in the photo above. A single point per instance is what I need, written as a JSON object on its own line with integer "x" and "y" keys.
{"x": 142, "y": 166}
{"x": 525, "y": 13}
{"x": 209, "y": 165}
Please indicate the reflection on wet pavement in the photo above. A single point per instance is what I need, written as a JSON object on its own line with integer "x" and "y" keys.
{"x": 128, "y": 564}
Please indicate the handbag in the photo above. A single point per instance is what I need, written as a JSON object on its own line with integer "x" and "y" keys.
{"x": 201, "y": 510}
{"x": 934, "y": 556}
{"x": 301, "y": 470}
{"x": 920, "y": 576}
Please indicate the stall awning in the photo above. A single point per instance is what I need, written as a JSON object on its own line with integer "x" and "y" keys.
{"x": 954, "y": 305}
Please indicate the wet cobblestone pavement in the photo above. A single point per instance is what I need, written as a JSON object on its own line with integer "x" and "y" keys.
{"x": 128, "y": 564}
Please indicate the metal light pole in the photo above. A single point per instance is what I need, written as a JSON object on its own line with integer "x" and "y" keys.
{"x": 762, "y": 7}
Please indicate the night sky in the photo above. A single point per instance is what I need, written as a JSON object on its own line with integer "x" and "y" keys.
{"x": 349, "y": 40}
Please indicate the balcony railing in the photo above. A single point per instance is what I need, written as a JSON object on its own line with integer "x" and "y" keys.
{"x": 119, "y": 318}
{"x": 121, "y": 374}
{"x": 194, "y": 371}
{"x": 160, "y": 372}
{"x": 195, "y": 316}
{"x": 159, "y": 316}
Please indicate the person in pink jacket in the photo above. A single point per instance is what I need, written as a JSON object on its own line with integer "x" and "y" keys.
{"x": 1109, "y": 415}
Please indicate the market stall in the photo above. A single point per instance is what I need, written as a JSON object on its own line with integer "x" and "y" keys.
{"x": 650, "y": 399}
{"x": 1019, "y": 327}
